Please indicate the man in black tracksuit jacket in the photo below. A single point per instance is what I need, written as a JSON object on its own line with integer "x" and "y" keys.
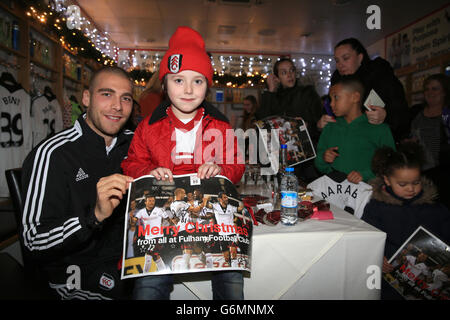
{"x": 73, "y": 216}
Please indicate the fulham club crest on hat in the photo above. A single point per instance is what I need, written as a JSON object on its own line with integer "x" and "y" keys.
{"x": 175, "y": 63}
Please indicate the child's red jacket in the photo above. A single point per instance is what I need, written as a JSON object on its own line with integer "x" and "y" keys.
{"x": 153, "y": 145}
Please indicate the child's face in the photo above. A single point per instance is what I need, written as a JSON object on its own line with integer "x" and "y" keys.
{"x": 186, "y": 90}
{"x": 405, "y": 182}
{"x": 341, "y": 100}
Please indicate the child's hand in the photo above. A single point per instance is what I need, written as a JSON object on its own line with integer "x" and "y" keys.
{"x": 324, "y": 120}
{"x": 354, "y": 177}
{"x": 208, "y": 170}
{"x": 162, "y": 174}
{"x": 387, "y": 267}
{"x": 330, "y": 154}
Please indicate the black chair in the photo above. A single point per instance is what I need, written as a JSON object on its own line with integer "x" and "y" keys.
{"x": 17, "y": 281}
{"x": 13, "y": 180}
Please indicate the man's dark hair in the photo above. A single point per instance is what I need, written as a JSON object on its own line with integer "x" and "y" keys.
{"x": 115, "y": 70}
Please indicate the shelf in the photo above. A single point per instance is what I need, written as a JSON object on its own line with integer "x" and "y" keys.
{"x": 411, "y": 73}
{"x": 39, "y": 29}
{"x": 12, "y": 15}
{"x": 53, "y": 72}
{"x": 43, "y": 65}
{"x": 14, "y": 12}
{"x": 423, "y": 65}
{"x": 72, "y": 79}
{"x": 12, "y": 51}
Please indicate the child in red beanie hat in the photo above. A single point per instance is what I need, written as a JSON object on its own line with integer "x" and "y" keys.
{"x": 186, "y": 52}
{"x": 173, "y": 139}
{"x": 185, "y": 72}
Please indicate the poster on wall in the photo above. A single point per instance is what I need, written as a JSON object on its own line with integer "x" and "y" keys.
{"x": 421, "y": 268}
{"x": 188, "y": 225}
{"x": 427, "y": 38}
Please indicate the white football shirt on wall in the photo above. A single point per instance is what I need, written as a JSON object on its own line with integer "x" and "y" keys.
{"x": 46, "y": 118}
{"x": 15, "y": 133}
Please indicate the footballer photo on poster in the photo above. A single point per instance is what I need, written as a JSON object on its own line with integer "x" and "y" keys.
{"x": 421, "y": 268}
{"x": 188, "y": 225}
{"x": 293, "y": 133}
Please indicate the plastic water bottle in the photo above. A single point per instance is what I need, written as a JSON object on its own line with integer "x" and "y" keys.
{"x": 289, "y": 197}
{"x": 282, "y": 164}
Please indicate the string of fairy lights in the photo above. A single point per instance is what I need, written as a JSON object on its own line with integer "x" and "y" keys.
{"x": 100, "y": 40}
{"x": 236, "y": 69}
{"x": 84, "y": 40}
{"x": 230, "y": 69}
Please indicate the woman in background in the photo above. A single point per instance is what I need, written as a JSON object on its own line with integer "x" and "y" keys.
{"x": 352, "y": 58}
{"x": 429, "y": 129}
{"x": 250, "y": 106}
{"x": 285, "y": 96}
{"x": 152, "y": 96}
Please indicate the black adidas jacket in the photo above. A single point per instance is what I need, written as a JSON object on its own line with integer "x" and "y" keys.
{"x": 58, "y": 224}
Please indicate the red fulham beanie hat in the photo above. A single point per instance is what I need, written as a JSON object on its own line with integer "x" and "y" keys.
{"x": 186, "y": 52}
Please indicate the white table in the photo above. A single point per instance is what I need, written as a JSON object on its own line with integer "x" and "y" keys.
{"x": 314, "y": 259}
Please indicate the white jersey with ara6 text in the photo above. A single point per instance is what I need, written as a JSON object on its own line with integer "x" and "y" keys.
{"x": 46, "y": 118}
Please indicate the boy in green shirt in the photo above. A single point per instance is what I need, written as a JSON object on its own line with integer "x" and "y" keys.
{"x": 348, "y": 144}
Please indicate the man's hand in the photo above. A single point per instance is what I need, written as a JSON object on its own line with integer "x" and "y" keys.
{"x": 330, "y": 154}
{"x": 168, "y": 202}
{"x": 162, "y": 174}
{"x": 208, "y": 170}
{"x": 110, "y": 191}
